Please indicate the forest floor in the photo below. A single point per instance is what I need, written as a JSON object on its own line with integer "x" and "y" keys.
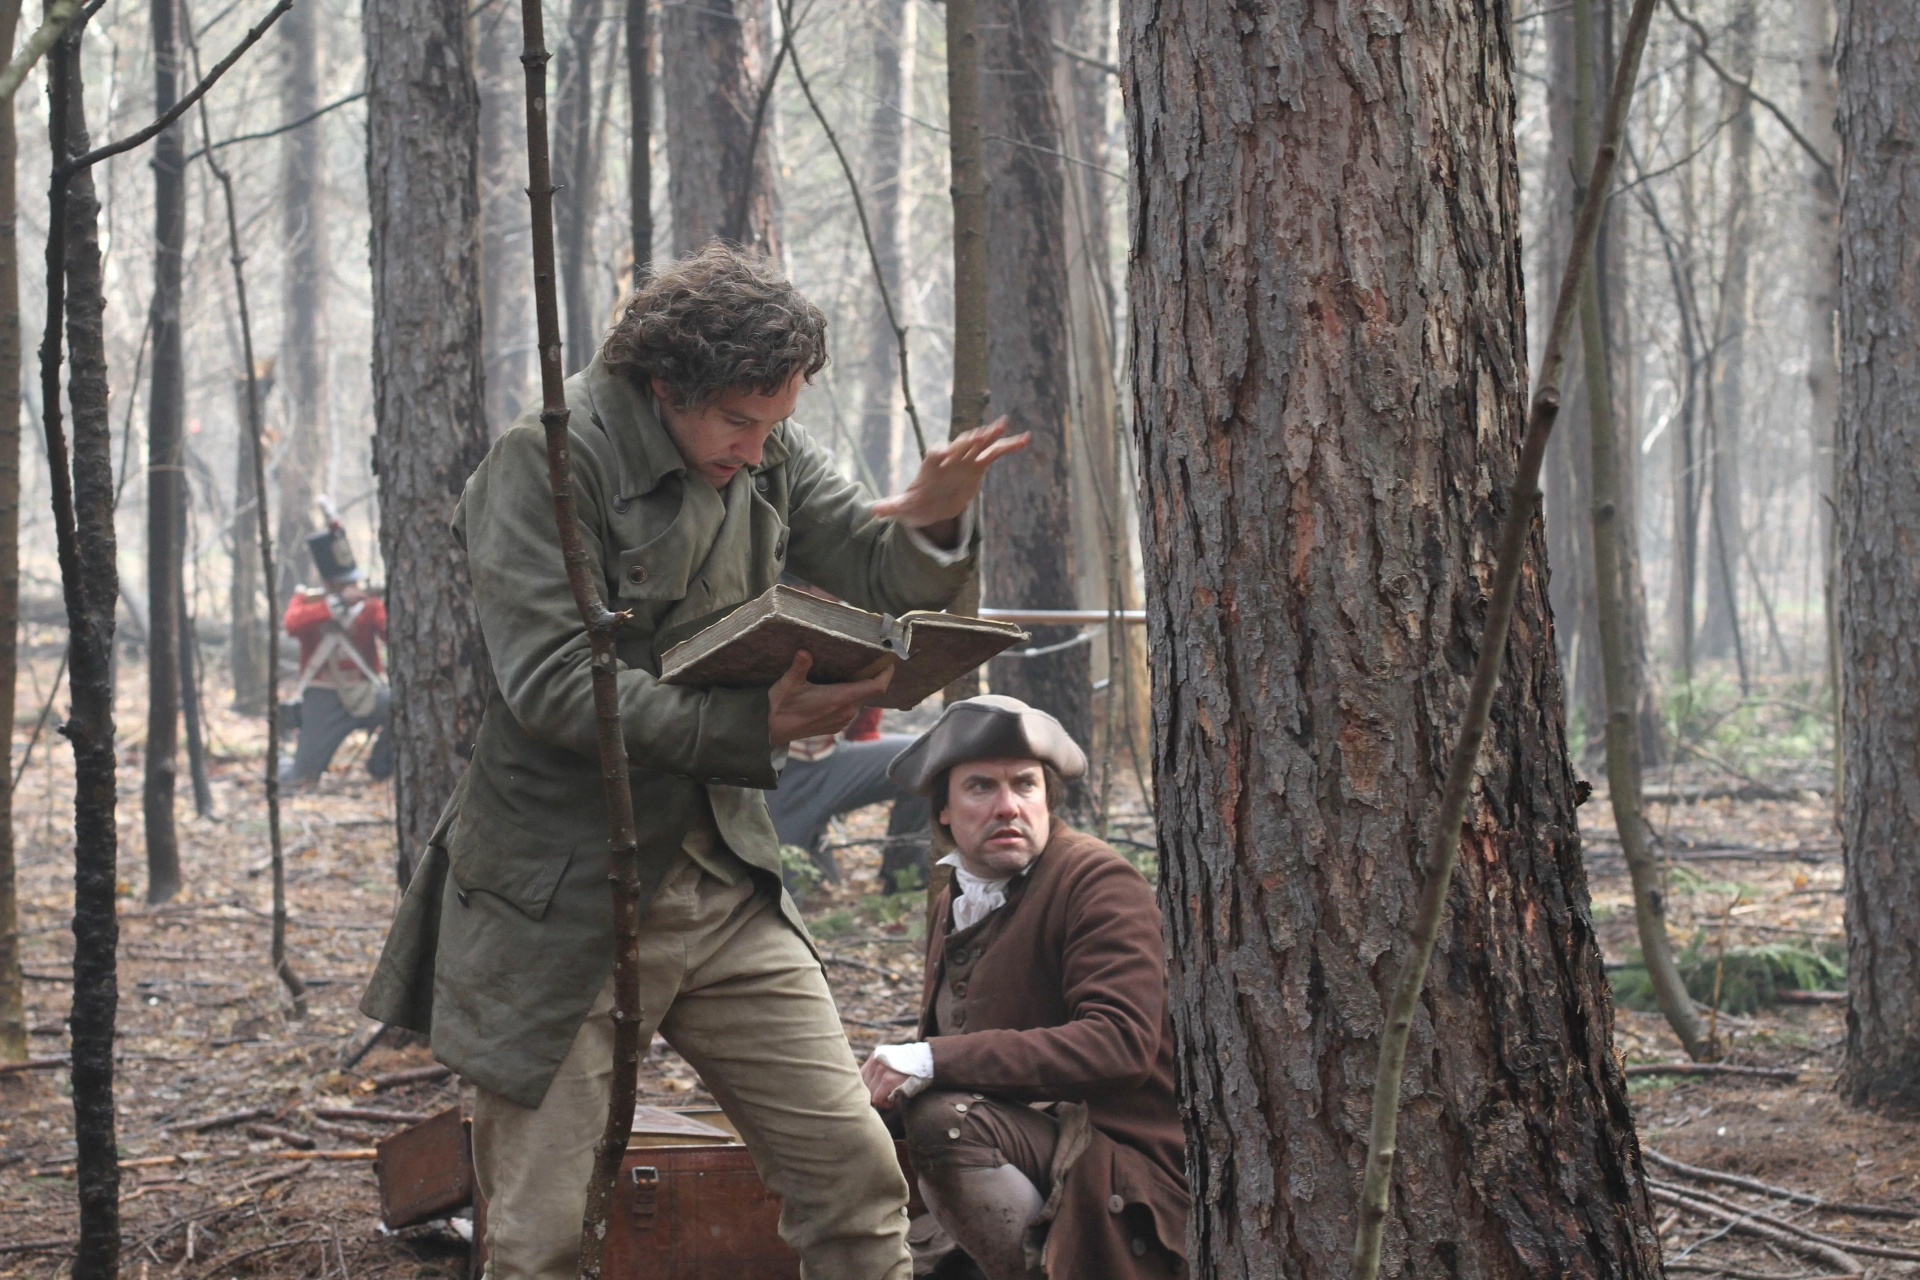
{"x": 205, "y": 1032}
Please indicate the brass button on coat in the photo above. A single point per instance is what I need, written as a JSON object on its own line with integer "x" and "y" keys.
{"x": 637, "y": 574}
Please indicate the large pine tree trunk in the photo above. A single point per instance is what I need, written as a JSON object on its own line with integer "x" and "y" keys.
{"x": 166, "y": 474}
{"x": 1028, "y": 561}
{"x": 303, "y": 360}
{"x": 13, "y": 1017}
{"x": 1720, "y": 633}
{"x": 889, "y": 148}
{"x": 1878, "y": 466}
{"x": 1329, "y": 329}
{"x": 719, "y": 166}
{"x": 429, "y": 404}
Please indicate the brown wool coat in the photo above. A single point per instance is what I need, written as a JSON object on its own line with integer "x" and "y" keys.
{"x": 1061, "y": 996}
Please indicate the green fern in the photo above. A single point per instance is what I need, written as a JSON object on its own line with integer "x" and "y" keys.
{"x": 1751, "y": 978}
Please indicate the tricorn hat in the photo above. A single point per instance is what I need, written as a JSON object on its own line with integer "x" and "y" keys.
{"x": 990, "y": 727}
{"x": 333, "y": 555}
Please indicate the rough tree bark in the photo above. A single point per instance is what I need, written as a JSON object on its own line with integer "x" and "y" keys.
{"x": 889, "y": 157}
{"x": 1720, "y": 634}
{"x": 166, "y": 469}
{"x": 303, "y": 342}
{"x": 1878, "y": 465}
{"x": 422, "y": 183}
{"x": 13, "y": 1016}
{"x": 710, "y": 65}
{"x": 1329, "y": 382}
{"x": 83, "y": 528}
{"x": 1028, "y": 554}
{"x": 577, "y": 176}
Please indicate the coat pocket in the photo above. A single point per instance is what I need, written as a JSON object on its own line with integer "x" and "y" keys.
{"x": 508, "y": 861}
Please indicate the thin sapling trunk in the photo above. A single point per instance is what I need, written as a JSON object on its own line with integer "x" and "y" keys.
{"x": 602, "y": 626}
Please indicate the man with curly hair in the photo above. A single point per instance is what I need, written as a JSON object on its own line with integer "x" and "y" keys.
{"x": 695, "y": 492}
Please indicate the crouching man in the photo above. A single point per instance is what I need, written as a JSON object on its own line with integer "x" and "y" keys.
{"x": 1038, "y": 1101}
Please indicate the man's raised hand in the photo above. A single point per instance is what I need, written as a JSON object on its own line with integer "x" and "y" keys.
{"x": 797, "y": 709}
{"x": 949, "y": 478}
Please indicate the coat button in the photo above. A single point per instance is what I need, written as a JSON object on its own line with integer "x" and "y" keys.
{"x": 961, "y": 956}
{"x": 780, "y": 548}
{"x": 961, "y": 1107}
{"x": 960, "y": 988}
{"x": 1115, "y": 1204}
{"x": 620, "y": 503}
{"x": 1139, "y": 1247}
{"x": 953, "y": 1133}
{"x": 637, "y": 574}
{"x": 761, "y": 483}
{"x": 959, "y": 1017}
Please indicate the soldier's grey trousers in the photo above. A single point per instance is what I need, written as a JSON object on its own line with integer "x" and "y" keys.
{"x": 730, "y": 985}
{"x": 325, "y": 723}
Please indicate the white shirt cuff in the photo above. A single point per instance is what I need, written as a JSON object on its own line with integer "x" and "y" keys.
{"x": 942, "y": 556}
{"x": 914, "y": 1061}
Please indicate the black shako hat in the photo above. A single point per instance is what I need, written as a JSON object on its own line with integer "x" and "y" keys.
{"x": 989, "y": 727}
{"x": 333, "y": 555}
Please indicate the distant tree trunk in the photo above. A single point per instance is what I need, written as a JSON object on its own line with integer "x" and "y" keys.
{"x": 429, "y": 402}
{"x": 889, "y": 152}
{"x": 1566, "y": 473}
{"x": 83, "y": 523}
{"x": 13, "y": 1016}
{"x": 1622, "y": 656}
{"x": 640, "y": 135}
{"x": 1104, "y": 567}
{"x": 303, "y": 467}
{"x": 506, "y": 268}
{"x": 1685, "y": 450}
{"x": 190, "y": 707}
{"x": 716, "y": 164}
{"x": 1028, "y": 556}
{"x": 247, "y": 634}
{"x": 166, "y": 469}
{"x": 1320, "y": 500}
{"x": 577, "y": 177}
{"x": 1819, "y": 94}
{"x": 1879, "y": 480}
{"x": 1720, "y": 634}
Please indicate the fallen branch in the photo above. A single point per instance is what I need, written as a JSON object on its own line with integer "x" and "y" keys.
{"x": 1786, "y": 1075}
{"x": 1516, "y": 528}
{"x": 1863, "y": 1247}
{"x": 37, "y": 1246}
{"x": 342, "y": 1153}
{"x": 370, "y": 1114}
{"x": 1748, "y": 1223}
{"x": 33, "y": 1064}
{"x": 257, "y": 1250}
{"x": 225, "y": 1121}
{"x": 1792, "y": 995}
{"x": 1699, "y": 1174}
{"x": 412, "y": 1075}
{"x": 270, "y": 1132}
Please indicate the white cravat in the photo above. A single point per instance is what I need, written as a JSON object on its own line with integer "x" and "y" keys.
{"x": 979, "y": 897}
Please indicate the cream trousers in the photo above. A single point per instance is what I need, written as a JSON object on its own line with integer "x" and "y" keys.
{"x": 736, "y": 991}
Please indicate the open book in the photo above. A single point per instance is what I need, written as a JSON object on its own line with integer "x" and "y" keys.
{"x": 755, "y": 644}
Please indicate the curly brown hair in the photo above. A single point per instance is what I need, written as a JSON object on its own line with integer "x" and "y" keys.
{"x": 716, "y": 321}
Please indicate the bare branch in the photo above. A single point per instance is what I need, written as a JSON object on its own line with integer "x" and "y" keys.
{"x": 58, "y": 18}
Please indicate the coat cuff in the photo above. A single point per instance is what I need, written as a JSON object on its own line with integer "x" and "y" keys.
{"x": 945, "y": 557}
{"x": 736, "y": 749}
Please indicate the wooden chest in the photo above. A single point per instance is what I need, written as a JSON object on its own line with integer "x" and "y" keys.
{"x": 689, "y": 1204}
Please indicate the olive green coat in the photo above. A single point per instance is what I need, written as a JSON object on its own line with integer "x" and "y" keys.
{"x": 505, "y": 933}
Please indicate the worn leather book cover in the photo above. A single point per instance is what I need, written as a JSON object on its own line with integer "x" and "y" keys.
{"x": 755, "y": 644}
